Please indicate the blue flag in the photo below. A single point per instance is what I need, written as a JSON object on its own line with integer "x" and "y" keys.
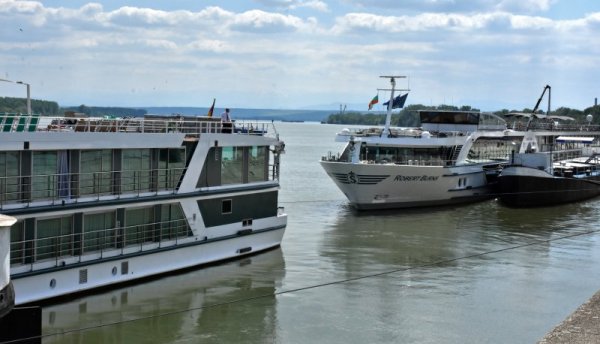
{"x": 398, "y": 102}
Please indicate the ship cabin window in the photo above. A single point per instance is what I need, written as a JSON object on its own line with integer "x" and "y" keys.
{"x": 136, "y": 173}
{"x": 17, "y": 244}
{"x": 173, "y": 223}
{"x": 492, "y": 149}
{"x": 139, "y": 226}
{"x": 99, "y": 232}
{"x": 96, "y": 169}
{"x": 171, "y": 164}
{"x": 142, "y": 225}
{"x": 44, "y": 179}
{"x": 226, "y": 206}
{"x": 232, "y": 159}
{"x": 54, "y": 238}
{"x": 405, "y": 155}
{"x": 10, "y": 177}
{"x": 258, "y": 164}
{"x": 235, "y": 165}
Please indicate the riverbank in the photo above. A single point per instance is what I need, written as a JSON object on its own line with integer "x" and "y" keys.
{"x": 582, "y": 326}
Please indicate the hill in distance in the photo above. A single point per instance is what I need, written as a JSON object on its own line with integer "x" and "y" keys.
{"x": 260, "y": 114}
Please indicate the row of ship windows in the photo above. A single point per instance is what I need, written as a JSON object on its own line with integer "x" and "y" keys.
{"x": 78, "y": 234}
{"x": 40, "y": 175}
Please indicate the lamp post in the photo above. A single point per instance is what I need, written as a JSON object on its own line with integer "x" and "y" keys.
{"x": 28, "y": 96}
{"x": 28, "y": 93}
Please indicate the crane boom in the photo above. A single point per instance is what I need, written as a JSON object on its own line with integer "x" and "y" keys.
{"x": 537, "y": 105}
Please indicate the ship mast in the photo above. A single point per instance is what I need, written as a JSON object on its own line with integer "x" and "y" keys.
{"x": 388, "y": 117}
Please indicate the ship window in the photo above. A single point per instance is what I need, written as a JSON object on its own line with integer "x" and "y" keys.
{"x": 211, "y": 171}
{"x": 257, "y": 164}
{"x": 44, "y": 176}
{"x": 171, "y": 163}
{"x": 139, "y": 225}
{"x": 54, "y": 238}
{"x": 10, "y": 177}
{"x": 136, "y": 174}
{"x": 99, "y": 232}
{"x": 96, "y": 172}
{"x": 17, "y": 243}
{"x": 226, "y": 206}
{"x": 231, "y": 165}
{"x": 173, "y": 222}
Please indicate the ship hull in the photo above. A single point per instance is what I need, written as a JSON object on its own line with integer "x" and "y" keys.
{"x": 537, "y": 191}
{"x": 387, "y": 186}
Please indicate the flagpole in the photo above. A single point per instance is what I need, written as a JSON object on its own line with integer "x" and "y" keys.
{"x": 390, "y": 106}
{"x": 388, "y": 117}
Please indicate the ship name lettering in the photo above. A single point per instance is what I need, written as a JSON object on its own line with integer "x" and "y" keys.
{"x": 424, "y": 178}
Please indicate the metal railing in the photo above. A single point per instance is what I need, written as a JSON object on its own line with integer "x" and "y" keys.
{"x": 58, "y": 187}
{"x": 192, "y": 126}
{"x": 59, "y": 250}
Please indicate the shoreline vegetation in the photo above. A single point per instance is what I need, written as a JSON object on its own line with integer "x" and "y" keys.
{"x": 407, "y": 117}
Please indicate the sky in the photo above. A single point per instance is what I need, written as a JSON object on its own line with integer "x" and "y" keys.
{"x": 297, "y": 54}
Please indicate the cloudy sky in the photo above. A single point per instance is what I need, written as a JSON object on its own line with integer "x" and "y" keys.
{"x": 301, "y": 53}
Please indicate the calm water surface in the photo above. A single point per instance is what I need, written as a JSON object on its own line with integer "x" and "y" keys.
{"x": 480, "y": 273}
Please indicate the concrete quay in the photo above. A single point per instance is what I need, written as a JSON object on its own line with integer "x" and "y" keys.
{"x": 583, "y": 326}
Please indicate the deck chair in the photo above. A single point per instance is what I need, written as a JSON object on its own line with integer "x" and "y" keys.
{"x": 8, "y": 122}
{"x": 33, "y": 122}
{"x": 21, "y": 124}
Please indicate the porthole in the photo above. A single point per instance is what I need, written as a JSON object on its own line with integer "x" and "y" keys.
{"x": 114, "y": 270}
{"x": 52, "y": 283}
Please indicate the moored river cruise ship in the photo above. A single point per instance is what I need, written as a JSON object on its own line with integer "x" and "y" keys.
{"x": 104, "y": 201}
{"x": 451, "y": 158}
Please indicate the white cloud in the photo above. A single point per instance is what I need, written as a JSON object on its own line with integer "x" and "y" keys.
{"x": 265, "y": 22}
{"x": 458, "y": 6}
{"x": 100, "y": 55}
{"x": 526, "y": 6}
{"x": 295, "y": 4}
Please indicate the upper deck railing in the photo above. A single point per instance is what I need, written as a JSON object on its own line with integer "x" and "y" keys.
{"x": 554, "y": 126}
{"x": 191, "y": 126}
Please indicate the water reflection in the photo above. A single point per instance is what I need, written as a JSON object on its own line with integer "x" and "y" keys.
{"x": 198, "y": 304}
{"x": 460, "y": 272}
{"x": 415, "y": 237}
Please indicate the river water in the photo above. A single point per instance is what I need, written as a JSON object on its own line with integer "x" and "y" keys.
{"x": 478, "y": 273}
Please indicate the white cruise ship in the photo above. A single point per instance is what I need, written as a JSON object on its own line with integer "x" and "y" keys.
{"x": 105, "y": 201}
{"x": 449, "y": 159}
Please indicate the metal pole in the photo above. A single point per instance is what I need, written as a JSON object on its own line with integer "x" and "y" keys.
{"x": 28, "y": 96}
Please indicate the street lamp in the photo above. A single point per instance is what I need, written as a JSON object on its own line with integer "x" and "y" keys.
{"x": 28, "y": 93}
{"x": 28, "y": 96}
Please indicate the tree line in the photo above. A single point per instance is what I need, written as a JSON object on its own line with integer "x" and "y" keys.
{"x": 19, "y": 105}
{"x": 100, "y": 111}
{"x": 408, "y": 116}
{"x": 50, "y": 108}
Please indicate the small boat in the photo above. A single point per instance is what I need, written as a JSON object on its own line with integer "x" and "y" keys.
{"x": 451, "y": 158}
{"x": 558, "y": 162}
{"x": 102, "y": 201}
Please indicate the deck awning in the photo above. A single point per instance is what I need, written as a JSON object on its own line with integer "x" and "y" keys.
{"x": 582, "y": 139}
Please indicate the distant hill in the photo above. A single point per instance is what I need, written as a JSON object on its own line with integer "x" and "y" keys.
{"x": 106, "y": 111}
{"x": 261, "y": 114}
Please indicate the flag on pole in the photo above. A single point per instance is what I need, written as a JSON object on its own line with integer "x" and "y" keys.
{"x": 212, "y": 109}
{"x": 398, "y": 102}
{"x": 373, "y": 101}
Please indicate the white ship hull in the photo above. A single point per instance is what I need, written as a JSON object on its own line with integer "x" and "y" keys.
{"x": 109, "y": 272}
{"x": 381, "y": 186}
